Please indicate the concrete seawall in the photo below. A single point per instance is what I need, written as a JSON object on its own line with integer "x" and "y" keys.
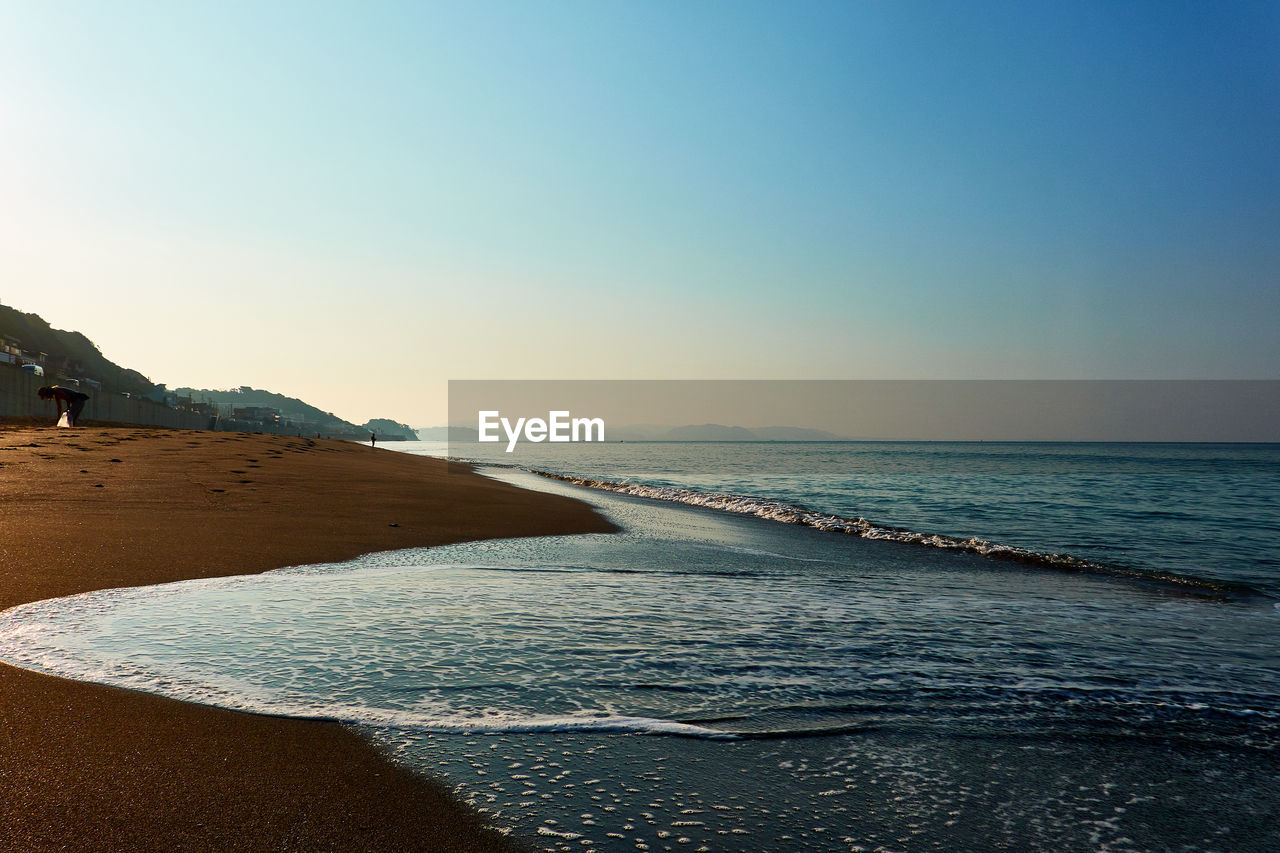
{"x": 18, "y": 400}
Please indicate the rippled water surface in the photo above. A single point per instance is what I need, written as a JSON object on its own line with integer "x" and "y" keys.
{"x": 712, "y": 681}
{"x": 1205, "y": 511}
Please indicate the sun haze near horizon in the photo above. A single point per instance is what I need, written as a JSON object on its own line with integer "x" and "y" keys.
{"x": 353, "y": 203}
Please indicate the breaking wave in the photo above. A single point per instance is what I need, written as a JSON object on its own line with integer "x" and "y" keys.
{"x": 788, "y": 513}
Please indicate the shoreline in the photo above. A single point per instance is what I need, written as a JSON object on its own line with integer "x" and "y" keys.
{"x": 92, "y": 767}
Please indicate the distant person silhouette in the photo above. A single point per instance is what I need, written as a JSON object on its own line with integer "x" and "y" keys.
{"x": 71, "y": 399}
{"x": 373, "y": 439}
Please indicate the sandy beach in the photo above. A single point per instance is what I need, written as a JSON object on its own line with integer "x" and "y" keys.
{"x": 84, "y": 767}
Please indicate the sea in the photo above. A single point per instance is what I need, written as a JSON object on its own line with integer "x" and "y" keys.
{"x": 810, "y": 646}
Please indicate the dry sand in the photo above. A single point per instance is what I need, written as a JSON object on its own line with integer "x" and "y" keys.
{"x": 85, "y": 767}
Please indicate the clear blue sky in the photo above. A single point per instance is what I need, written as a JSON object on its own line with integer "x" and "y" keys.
{"x": 332, "y": 200}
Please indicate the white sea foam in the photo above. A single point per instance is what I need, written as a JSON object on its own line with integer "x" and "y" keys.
{"x": 41, "y": 637}
{"x": 788, "y": 513}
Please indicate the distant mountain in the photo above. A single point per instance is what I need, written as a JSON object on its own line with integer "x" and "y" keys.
{"x": 784, "y": 433}
{"x": 636, "y": 432}
{"x": 717, "y": 432}
{"x": 654, "y": 432}
{"x": 440, "y": 433}
{"x": 710, "y": 432}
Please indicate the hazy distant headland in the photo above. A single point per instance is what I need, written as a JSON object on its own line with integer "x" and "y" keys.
{"x": 890, "y": 410}
{"x": 654, "y": 432}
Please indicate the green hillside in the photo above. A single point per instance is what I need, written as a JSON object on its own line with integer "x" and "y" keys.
{"x": 74, "y": 356}
{"x": 289, "y": 407}
{"x": 293, "y": 409}
{"x": 68, "y": 353}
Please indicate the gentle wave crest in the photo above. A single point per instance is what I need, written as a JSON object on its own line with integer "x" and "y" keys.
{"x": 788, "y": 513}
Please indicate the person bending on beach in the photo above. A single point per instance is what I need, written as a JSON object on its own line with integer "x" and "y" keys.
{"x": 71, "y": 399}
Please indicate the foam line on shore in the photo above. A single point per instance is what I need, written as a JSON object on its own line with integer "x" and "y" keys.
{"x": 33, "y": 636}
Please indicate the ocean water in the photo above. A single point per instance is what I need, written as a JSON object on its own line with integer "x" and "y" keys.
{"x": 754, "y": 678}
{"x": 1204, "y": 512}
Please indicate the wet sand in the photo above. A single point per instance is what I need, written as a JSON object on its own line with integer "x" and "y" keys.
{"x": 85, "y": 767}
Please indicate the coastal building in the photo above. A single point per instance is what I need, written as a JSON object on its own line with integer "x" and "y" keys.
{"x": 257, "y": 414}
{"x": 10, "y": 350}
{"x": 161, "y": 394}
